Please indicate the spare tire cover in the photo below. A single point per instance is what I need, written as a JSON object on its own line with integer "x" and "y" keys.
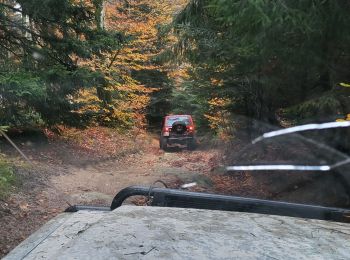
{"x": 179, "y": 127}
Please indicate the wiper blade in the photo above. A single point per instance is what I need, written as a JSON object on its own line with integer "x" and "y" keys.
{"x": 301, "y": 128}
{"x": 276, "y": 167}
{"x": 286, "y": 167}
{"x": 291, "y": 167}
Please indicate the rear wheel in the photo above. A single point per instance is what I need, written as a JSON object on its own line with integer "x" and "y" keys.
{"x": 192, "y": 144}
{"x": 163, "y": 143}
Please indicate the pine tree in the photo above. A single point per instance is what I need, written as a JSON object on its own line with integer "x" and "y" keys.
{"x": 43, "y": 47}
{"x": 272, "y": 58}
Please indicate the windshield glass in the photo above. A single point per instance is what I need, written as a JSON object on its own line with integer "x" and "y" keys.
{"x": 89, "y": 90}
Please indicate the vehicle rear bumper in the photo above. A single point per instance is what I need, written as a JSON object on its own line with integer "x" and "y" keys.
{"x": 177, "y": 140}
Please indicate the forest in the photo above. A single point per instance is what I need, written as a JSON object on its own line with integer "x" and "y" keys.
{"x": 96, "y": 77}
{"x": 234, "y": 65}
{"x": 125, "y": 64}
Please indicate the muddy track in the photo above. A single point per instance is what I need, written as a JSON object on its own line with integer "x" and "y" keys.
{"x": 52, "y": 185}
{"x": 62, "y": 177}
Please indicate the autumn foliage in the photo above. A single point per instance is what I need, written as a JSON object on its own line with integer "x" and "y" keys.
{"x": 123, "y": 101}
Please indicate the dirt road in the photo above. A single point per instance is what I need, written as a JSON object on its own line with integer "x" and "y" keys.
{"x": 91, "y": 172}
{"x": 97, "y": 184}
{"x": 58, "y": 178}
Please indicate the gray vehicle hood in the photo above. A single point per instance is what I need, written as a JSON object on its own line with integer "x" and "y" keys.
{"x": 131, "y": 232}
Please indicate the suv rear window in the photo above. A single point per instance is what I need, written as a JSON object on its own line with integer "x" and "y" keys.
{"x": 171, "y": 120}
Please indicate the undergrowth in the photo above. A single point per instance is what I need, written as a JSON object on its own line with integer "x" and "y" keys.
{"x": 7, "y": 177}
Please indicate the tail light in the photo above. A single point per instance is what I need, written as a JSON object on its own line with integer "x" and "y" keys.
{"x": 190, "y": 128}
{"x": 167, "y": 129}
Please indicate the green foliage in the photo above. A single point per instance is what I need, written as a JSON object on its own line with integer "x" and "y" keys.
{"x": 268, "y": 55}
{"x": 45, "y": 46}
{"x": 3, "y": 128}
{"x": 22, "y": 85}
{"x": 7, "y": 177}
{"x": 21, "y": 91}
{"x": 324, "y": 107}
{"x": 190, "y": 97}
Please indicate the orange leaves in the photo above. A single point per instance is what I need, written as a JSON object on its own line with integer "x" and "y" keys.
{"x": 86, "y": 96}
{"x": 214, "y": 121}
{"x": 343, "y": 120}
{"x": 219, "y": 102}
{"x": 98, "y": 142}
{"x": 126, "y": 96}
{"x": 179, "y": 73}
{"x": 218, "y": 115}
{"x": 217, "y": 82}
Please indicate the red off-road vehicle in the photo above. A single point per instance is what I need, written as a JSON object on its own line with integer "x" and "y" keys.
{"x": 177, "y": 130}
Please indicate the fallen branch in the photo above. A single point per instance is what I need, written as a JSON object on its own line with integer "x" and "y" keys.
{"x": 15, "y": 146}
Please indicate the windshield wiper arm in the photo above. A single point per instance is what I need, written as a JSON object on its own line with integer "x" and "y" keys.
{"x": 287, "y": 167}
{"x": 279, "y": 167}
{"x": 301, "y": 128}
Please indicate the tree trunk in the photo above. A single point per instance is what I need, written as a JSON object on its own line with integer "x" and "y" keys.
{"x": 103, "y": 15}
{"x": 100, "y": 6}
{"x": 26, "y": 23}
